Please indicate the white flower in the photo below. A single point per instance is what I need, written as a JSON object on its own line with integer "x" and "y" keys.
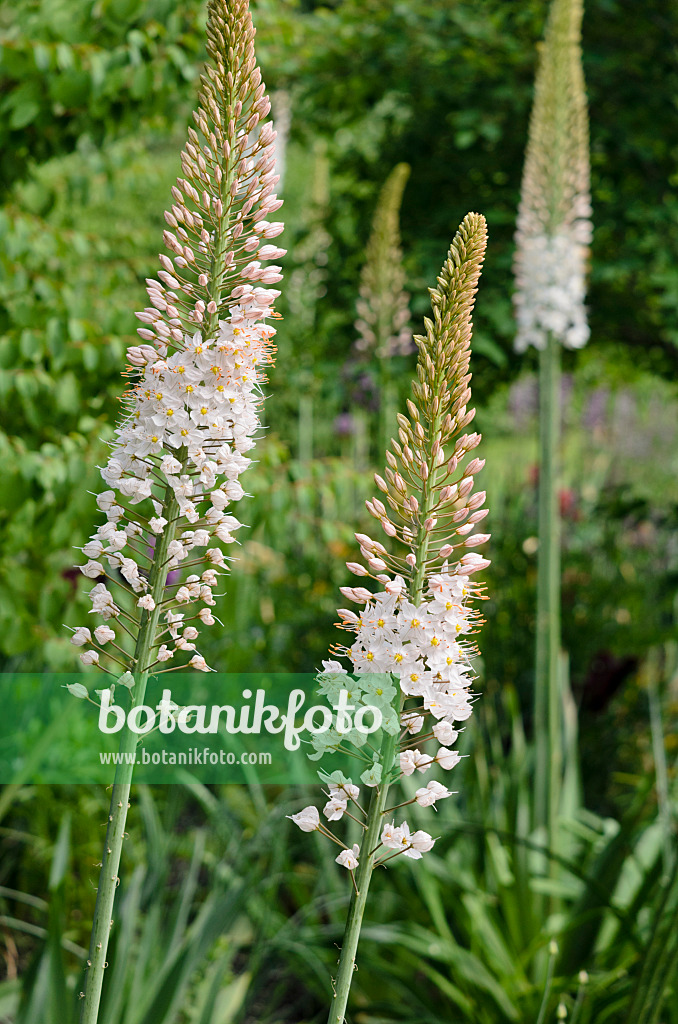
{"x": 447, "y": 759}
{"x": 391, "y": 836}
{"x": 92, "y": 569}
{"x": 420, "y": 842}
{"x": 157, "y": 524}
{"x": 334, "y": 809}
{"x": 427, "y": 796}
{"x": 81, "y": 636}
{"x": 146, "y": 602}
{"x": 93, "y": 549}
{"x": 89, "y": 657}
{"x": 407, "y": 762}
{"x": 164, "y": 654}
{"x": 106, "y": 500}
{"x": 444, "y": 733}
{"x": 344, "y": 791}
{"x": 349, "y": 858}
{"x": 199, "y": 663}
{"x": 308, "y": 820}
{"x": 103, "y": 634}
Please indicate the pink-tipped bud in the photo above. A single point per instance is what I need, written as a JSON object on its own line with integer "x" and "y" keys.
{"x": 202, "y": 280}
{"x": 377, "y": 564}
{"x": 446, "y": 550}
{"x": 448, "y": 492}
{"x": 357, "y": 569}
{"x": 166, "y": 262}
{"x": 381, "y": 483}
{"x": 212, "y": 307}
{"x": 388, "y": 528}
{"x": 363, "y": 540}
{"x": 465, "y": 486}
{"x": 411, "y": 560}
{"x": 146, "y": 334}
{"x": 476, "y": 500}
{"x": 361, "y": 595}
{"x": 478, "y": 516}
{"x": 473, "y": 562}
{"x": 414, "y": 504}
{"x": 429, "y": 524}
{"x": 474, "y": 466}
{"x": 476, "y": 540}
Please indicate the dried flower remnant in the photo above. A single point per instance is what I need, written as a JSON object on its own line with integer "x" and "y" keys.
{"x": 191, "y": 414}
{"x": 554, "y": 218}
{"x": 412, "y": 649}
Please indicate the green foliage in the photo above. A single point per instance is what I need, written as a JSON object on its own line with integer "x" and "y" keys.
{"x": 89, "y": 69}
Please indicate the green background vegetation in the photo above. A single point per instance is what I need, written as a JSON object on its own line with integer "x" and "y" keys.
{"x": 94, "y": 100}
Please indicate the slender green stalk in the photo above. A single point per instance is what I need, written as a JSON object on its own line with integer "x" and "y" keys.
{"x": 363, "y": 877}
{"x": 547, "y": 717}
{"x": 438, "y": 413}
{"x": 117, "y": 815}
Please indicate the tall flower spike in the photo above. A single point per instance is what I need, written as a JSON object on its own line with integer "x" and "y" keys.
{"x": 554, "y": 218}
{"x": 192, "y": 410}
{"x": 383, "y": 314}
{"x": 412, "y": 632}
{"x": 191, "y": 413}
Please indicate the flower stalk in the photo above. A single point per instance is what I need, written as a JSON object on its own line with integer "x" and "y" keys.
{"x": 191, "y": 413}
{"x": 410, "y": 658}
{"x": 552, "y": 242}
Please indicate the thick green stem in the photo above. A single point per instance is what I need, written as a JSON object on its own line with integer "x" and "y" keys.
{"x": 117, "y": 815}
{"x": 363, "y": 877}
{"x": 547, "y": 684}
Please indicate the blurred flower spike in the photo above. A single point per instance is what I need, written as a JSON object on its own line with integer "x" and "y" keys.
{"x": 554, "y": 218}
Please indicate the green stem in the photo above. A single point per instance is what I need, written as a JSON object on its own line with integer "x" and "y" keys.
{"x": 117, "y": 815}
{"x": 363, "y": 877}
{"x": 547, "y": 684}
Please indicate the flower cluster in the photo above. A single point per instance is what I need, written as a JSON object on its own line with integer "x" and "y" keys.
{"x": 411, "y": 653}
{"x": 192, "y": 412}
{"x": 551, "y": 280}
{"x": 554, "y": 219}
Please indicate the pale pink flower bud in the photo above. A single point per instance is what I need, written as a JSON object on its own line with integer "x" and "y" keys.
{"x": 81, "y": 636}
{"x": 89, "y": 657}
{"x": 476, "y": 540}
{"x": 446, "y": 550}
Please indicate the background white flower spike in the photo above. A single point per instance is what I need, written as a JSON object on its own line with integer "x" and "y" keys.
{"x": 554, "y": 218}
